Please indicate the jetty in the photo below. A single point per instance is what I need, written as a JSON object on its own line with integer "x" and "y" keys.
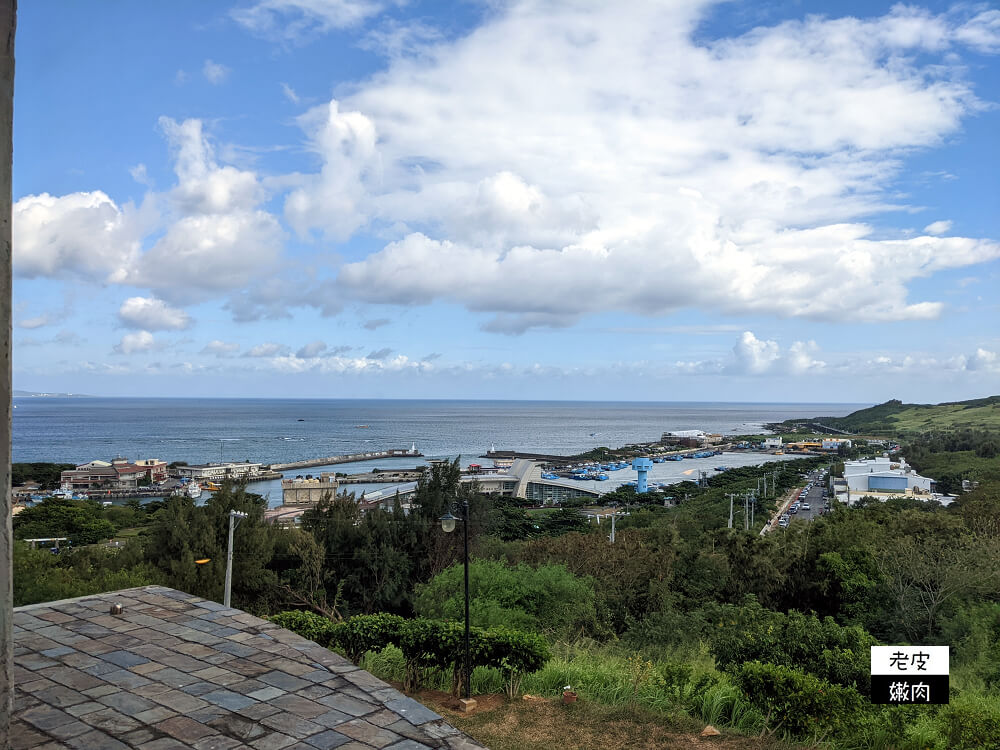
{"x": 349, "y": 458}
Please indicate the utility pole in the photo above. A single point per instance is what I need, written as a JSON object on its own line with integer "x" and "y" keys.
{"x": 235, "y": 517}
{"x": 730, "y": 510}
{"x": 613, "y": 527}
{"x": 746, "y": 512}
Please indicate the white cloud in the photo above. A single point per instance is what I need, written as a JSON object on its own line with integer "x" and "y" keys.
{"x": 981, "y": 32}
{"x": 269, "y": 349}
{"x": 212, "y": 235}
{"x": 289, "y": 93}
{"x": 77, "y": 235}
{"x": 312, "y": 349}
{"x": 36, "y": 322}
{"x": 938, "y": 227}
{"x": 139, "y": 341}
{"x": 295, "y": 20}
{"x": 643, "y": 171}
{"x": 152, "y": 314}
{"x": 754, "y": 356}
{"x": 335, "y": 200}
{"x": 220, "y": 348}
{"x": 215, "y": 73}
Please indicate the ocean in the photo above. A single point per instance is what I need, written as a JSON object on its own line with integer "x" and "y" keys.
{"x": 76, "y": 430}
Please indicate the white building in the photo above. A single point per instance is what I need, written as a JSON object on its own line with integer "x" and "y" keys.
{"x": 832, "y": 444}
{"x": 883, "y": 477}
{"x": 773, "y": 443}
{"x": 219, "y": 472}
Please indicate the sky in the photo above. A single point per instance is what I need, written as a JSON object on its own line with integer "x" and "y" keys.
{"x": 683, "y": 200}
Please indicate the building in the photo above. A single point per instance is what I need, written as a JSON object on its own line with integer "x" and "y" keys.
{"x": 119, "y": 474}
{"x": 308, "y": 490}
{"x": 156, "y": 470}
{"x": 219, "y": 472}
{"x": 833, "y": 444}
{"x": 773, "y": 443}
{"x": 883, "y": 477}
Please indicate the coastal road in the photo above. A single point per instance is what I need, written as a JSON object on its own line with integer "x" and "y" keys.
{"x": 813, "y": 497}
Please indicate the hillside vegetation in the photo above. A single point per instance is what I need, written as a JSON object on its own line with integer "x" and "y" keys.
{"x": 896, "y": 419}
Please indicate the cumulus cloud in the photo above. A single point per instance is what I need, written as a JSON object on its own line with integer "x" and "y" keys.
{"x": 220, "y": 348}
{"x": 335, "y": 200}
{"x": 298, "y": 20}
{"x": 152, "y": 314}
{"x": 212, "y": 235}
{"x": 660, "y": 173}
{"x": 139, "y": 341}
{"x": 215, "y": 73}
{"x": 77, "y": 235}
{"x": 312, "y": 349}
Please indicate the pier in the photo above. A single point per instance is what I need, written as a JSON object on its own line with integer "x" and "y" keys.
{"x": 349, "y": 458}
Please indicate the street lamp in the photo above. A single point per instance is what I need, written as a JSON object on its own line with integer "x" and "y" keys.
{"x": 447, "y": 526}
{"x": 235, "y": 517}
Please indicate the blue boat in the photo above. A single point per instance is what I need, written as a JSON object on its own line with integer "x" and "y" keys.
{"x": 721, "y": 468}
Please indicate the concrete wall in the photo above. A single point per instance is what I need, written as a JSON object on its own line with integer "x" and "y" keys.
{"x": 8, "y": 24}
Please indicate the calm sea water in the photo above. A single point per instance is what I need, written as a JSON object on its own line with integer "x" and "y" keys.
{"x": 75, "y": 430}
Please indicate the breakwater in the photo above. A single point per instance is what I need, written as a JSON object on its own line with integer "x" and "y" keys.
{"x": 347, "y": 459}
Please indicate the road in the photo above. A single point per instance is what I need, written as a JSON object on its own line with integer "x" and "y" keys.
{"x": 814, "y": 497}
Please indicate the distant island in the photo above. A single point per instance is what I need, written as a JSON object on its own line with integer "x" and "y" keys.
{"x": 33, "y": 394}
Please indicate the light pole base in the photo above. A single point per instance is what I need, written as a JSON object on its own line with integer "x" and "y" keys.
{"x": 467, "y": 705}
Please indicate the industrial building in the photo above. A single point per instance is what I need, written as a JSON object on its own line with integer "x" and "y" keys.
{"x": 882, "y": 477}
{"x": 308, "y": 490}
{"x": 219, "y": 472}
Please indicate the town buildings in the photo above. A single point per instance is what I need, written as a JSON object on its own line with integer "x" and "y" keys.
{"x": 118, "y": 474}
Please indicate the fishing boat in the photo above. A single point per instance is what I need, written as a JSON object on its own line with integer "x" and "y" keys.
{"x": 193, "y": 490}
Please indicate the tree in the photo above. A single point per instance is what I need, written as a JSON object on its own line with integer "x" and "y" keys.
{"x": 547, "y": 599}
{"x": 80, "y": 520}
{"x": 924, "y": 575}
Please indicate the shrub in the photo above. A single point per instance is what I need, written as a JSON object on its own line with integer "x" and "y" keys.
{"x": 307, "y": 624}
{"x": 362, "y": 633}
{"x": 840, "y": 655}
{"x": 427, "y": 645}
{"x": 972, "y": 722}
{"x": 796, "y": 702}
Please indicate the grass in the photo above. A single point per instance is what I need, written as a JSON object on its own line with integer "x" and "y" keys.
{"x": 534, "y": 723}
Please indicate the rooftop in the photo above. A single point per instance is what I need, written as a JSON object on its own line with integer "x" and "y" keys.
{"x": 176, "y": 671}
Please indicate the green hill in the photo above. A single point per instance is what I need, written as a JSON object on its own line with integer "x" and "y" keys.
{"x": 899, "y": 419}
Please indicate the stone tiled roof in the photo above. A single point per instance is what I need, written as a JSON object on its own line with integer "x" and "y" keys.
{"x": 175, "y": 671}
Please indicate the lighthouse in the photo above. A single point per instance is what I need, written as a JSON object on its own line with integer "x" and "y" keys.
{"x": 641, "y": 465}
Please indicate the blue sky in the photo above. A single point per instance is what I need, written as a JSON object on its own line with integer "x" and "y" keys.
{"x": 682, "y": 200}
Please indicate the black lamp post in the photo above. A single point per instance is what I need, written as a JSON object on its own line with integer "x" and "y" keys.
{"x": 448, "y": 526}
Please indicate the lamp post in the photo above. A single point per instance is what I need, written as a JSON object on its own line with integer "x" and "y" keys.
{"x": 235, "y": 517}
{"x": 448, "y": 526}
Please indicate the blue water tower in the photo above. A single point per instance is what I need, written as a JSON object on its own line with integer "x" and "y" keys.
{"x": 641, "y": 465}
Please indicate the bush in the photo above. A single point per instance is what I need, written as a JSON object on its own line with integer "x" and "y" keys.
{"x": 796, "y": 702}
{"x": 307, "y": 624}
{"x": 363, "y": 633}
{"x": 840, "y": 655}
{"x": 972, "y": 722}
{"x": 427, "y": 646}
